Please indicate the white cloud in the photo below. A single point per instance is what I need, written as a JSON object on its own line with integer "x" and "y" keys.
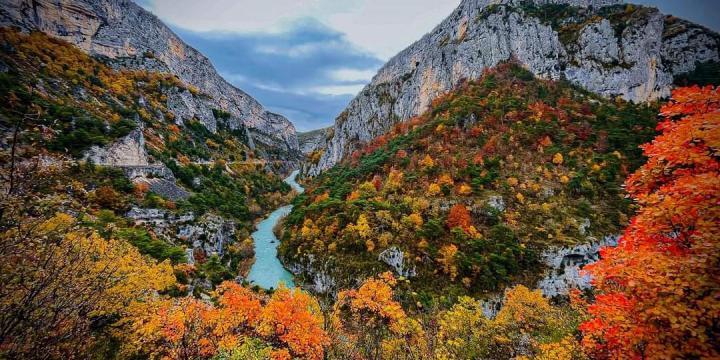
{"x": 352, "y": 74}
{"x": 231, "y": 15}
{"x": 383, "y": 27}
{"x": 387, "y": 26}
{"x": 328, "y": 89}
{"x": 300, "y": 50}
{"x": 338, "y": 89}
{"x": 232, "y": 77}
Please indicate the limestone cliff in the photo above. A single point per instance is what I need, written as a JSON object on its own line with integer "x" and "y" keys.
{"x": 129, "y": 36}
{"x": 313, "y": 140}
{"x": 604, "y": 46}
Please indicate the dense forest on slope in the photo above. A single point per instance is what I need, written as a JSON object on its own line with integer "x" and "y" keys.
{"x": 475, "y": 189}
{"x": 61, "y": 102}
{"x": 82, "y": 294}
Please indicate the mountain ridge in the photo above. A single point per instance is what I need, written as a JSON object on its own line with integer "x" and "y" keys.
{"x": 607, "y": 47}
{"x": 132, "y": 37}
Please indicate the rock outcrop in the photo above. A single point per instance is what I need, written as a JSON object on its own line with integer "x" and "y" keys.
{"x": 126, "y": 151}
{"x": 321, "y": 274}
{"x": 601, "y": 45}
{"x": 313, "y": 140}
{"x": 131, "y": 37}
{"x": 396, "y": 259}
{"x": 208, "y": 235}
{"x": 565, "y": 265}
{"x": 129, "y": 154}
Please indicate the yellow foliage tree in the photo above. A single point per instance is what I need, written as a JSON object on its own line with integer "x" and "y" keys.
{"x": 433, "y": 189}
{"x": 369, "y": 245}
{"x": 370, "y": 323}
{"x": 464, "y": 189}
{"x": 309, "y": 230}
{"x": 58, "y": 277}
{"x": 367, "y": 189}
{"x": 464, "y": 333}
{"x": 394, "y": 180}
{"x": 413, "y": 221}
{"x": 447, "y": 260}
{"x": 526, "y": 325}
{"x": 446, "y": 179}
{"x": 427, "y": 162}
{"x": 363, "y": 227}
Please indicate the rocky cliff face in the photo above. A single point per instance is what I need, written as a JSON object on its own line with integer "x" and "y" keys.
{"x": 313, "y": 140}
{"x": 130, "y": 36}
{"x": 601, "y": 45}
{"x": 565, "y": 266}
{"x": 312, "y": 144}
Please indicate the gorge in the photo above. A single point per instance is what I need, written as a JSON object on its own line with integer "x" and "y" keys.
{"x": 531, "y": 179}
{"x": 267, "y": 271}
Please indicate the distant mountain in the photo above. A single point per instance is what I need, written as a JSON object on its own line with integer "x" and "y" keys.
{"x": 129, "y": 36}
{"x": 604, "y": 46}
{"x": 313, "y": 140}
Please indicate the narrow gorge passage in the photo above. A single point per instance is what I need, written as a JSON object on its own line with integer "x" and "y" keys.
{"x": 268, "y": 272}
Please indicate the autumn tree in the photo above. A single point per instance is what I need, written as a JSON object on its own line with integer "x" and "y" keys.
{"x": 367, "y": 189}
{"x": 293, "y": 318}
{"x": 427, "y": 162}
{"x": 286, "y": 325}
{"x": 394, "y": 180}
{"x": 369, "y": 323}
{"x": 448, "y": 260}
{"x": 249, "y": 349}
{"x": 657, "y": 291}
{"x": 526, "y": 326}
{"x": 58, "y": 279}
{"x": 107, "y": 197}
{"x": 170, "y": 329}
{"x": 464, "y": 331}
{"x": 527, "y": 314}
{"x": 363, "y": 227}
{"x": 433, "y": 189}
{"x": 459, "y": 216}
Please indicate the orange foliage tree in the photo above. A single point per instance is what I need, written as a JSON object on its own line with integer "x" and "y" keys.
{"x": 658, "y": 291}
{"x": 293, "y": 318}
{"x": 459, "y": 216}
{"x": 290, "y": 322}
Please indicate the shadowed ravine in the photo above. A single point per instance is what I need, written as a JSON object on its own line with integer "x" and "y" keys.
{"x": 268, "y": 272}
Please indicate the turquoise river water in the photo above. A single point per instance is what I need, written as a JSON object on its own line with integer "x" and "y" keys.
{"x": 268, "y": 272}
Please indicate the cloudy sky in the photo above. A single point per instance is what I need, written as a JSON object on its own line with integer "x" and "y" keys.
{"x": 306, "y": 59}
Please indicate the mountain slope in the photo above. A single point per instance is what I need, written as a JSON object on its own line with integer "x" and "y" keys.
{"x": 468, "y": 197}
{"x": 181, "y": 193}
{"x": 603, "y": 46}
{"x": 132, "y": 37}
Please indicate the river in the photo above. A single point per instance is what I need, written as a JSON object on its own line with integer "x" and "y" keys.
{"x": 268, "y": 272}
